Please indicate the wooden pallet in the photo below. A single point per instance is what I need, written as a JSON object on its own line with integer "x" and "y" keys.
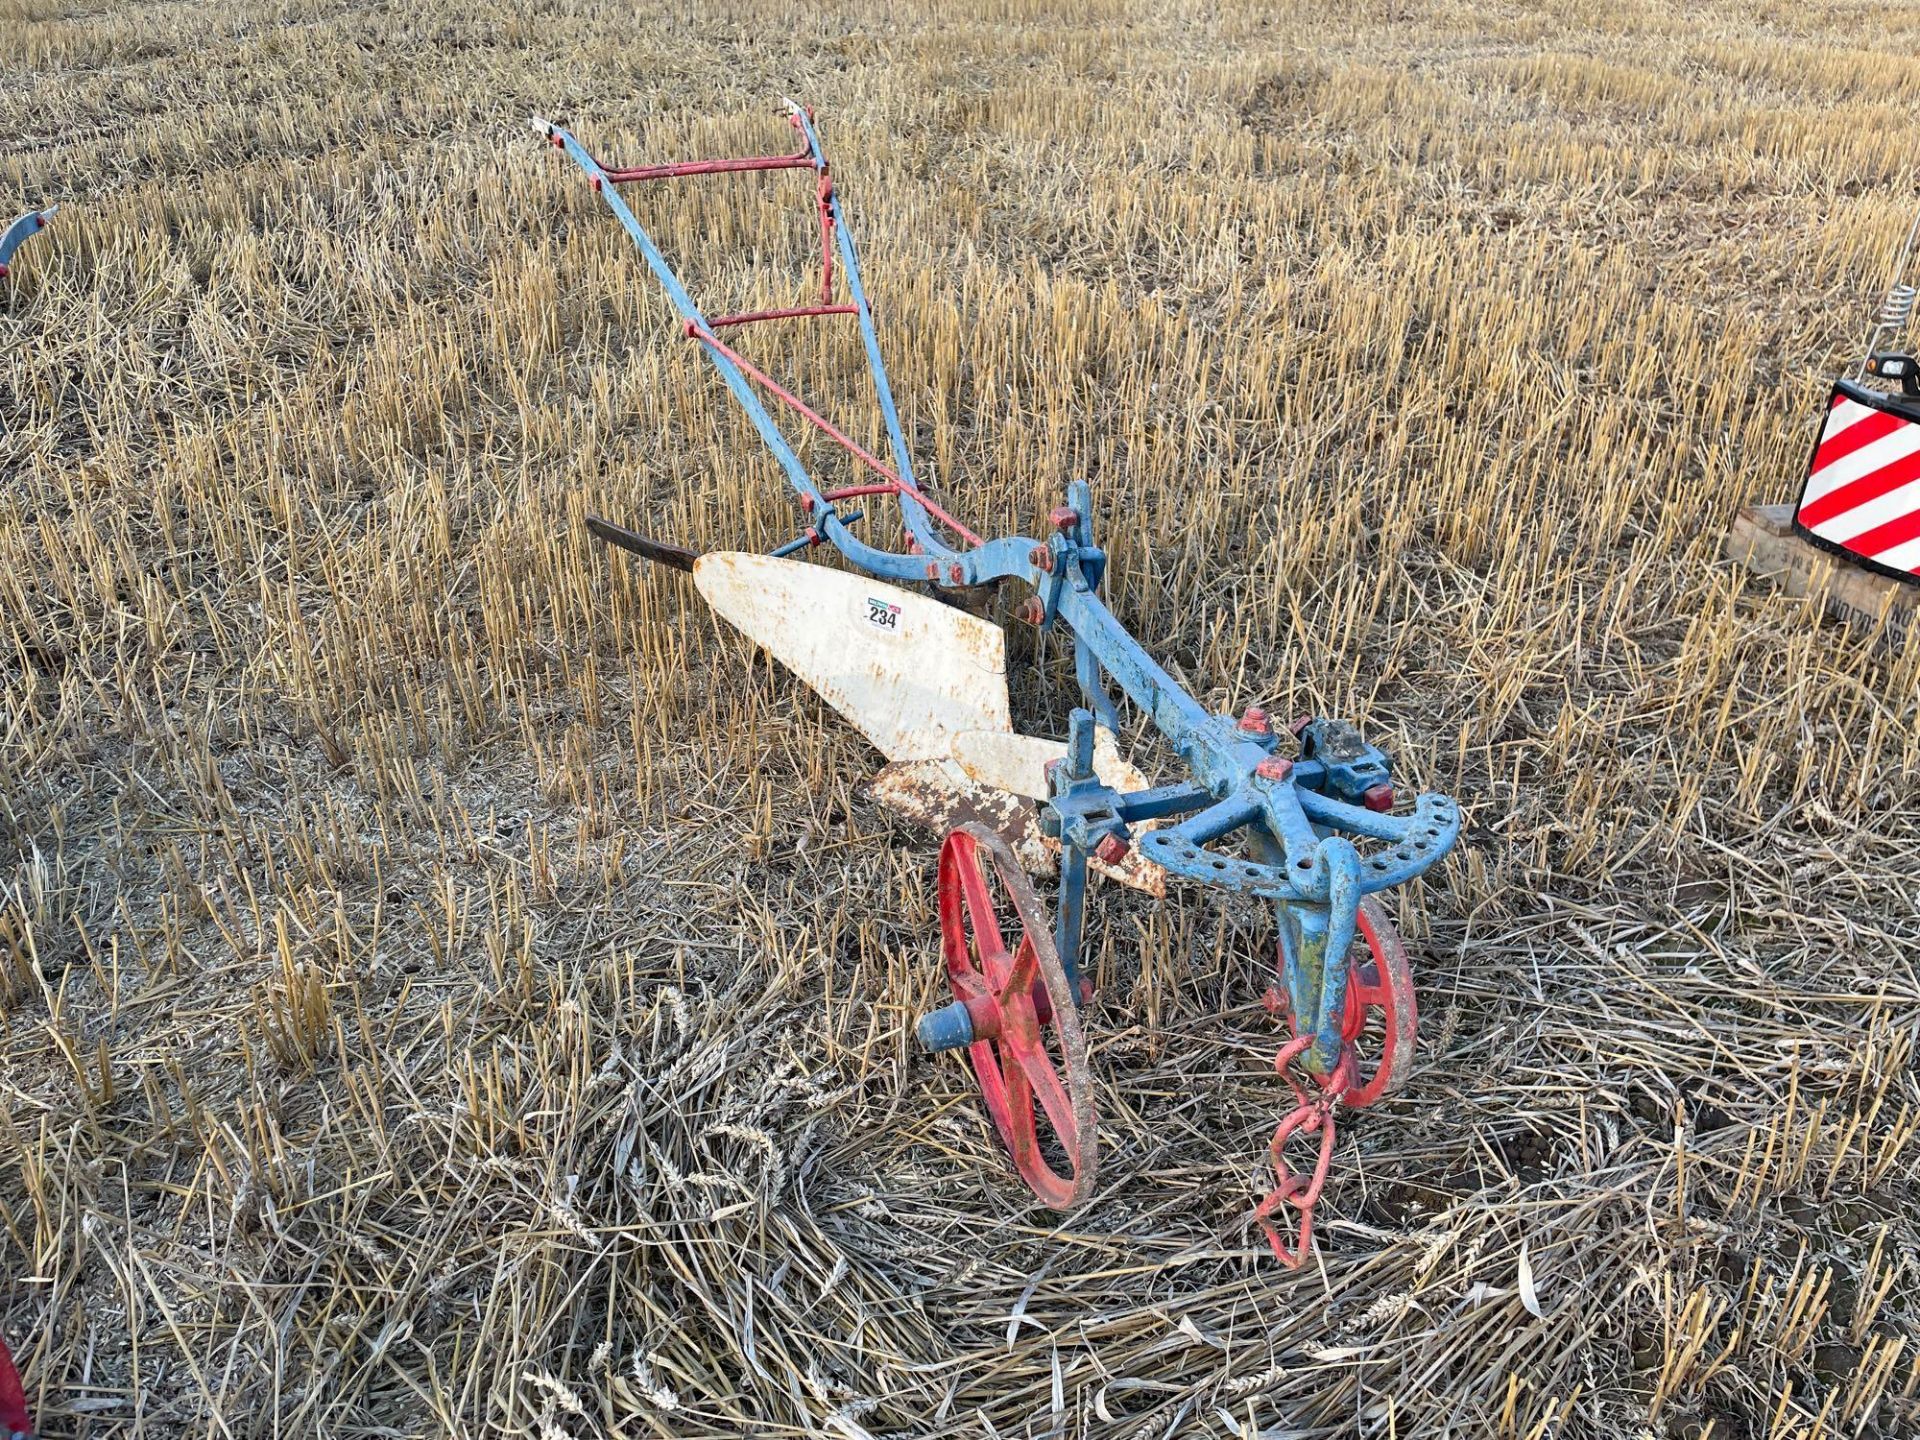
{"x": 1764, "y": 541}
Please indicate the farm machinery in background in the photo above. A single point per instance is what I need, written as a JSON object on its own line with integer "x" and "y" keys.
{"x": 925, "y": 681}
{"x": 1860, "y": 500}
{"x": 16, "y": 234}
{"x": 1861, "y": 497}
{"x": 15, "y": 1424}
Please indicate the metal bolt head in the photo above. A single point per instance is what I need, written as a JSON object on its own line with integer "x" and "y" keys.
{"x": 1255, "y": 721}
{"x": 1041, "y": 558}
{"x": 933, "y": 571}
{"x": 1064, "y": 517}
{"x": 1274, "y": 768}
{"x": 1378, "y": 798}
{"x": 1034, "y": 612}
{"x": 1111, "y": 850}
{"x": 956, "y": 574}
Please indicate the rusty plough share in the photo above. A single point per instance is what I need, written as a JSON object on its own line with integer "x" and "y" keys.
{"x": 15, "y": 235}
{"x": 926, "y": 682}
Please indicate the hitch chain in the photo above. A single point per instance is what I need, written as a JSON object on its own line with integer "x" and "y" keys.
{"x": 1313, "y": 1114}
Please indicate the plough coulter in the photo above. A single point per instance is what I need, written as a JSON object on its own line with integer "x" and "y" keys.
{"x": 16, "y": 234}
{"x": 925, "y": 680}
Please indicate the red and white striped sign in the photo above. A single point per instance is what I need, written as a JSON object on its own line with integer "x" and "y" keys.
{"x": 1862, "y": 495}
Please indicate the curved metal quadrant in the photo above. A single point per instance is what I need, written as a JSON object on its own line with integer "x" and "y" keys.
{"x": 18, "y": 233}
{"x": 1306, "y": 816}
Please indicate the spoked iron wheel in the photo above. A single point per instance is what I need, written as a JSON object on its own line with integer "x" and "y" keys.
{"x": 1380, "y": 1024}
{"x": 1029, "y": 1052}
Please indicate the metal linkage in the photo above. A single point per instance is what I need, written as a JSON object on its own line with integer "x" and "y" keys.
{"x": 16, "y": 234}
{"x": 1344, "y": 987}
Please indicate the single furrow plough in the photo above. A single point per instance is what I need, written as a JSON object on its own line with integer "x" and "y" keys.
{"x": 15, "y": 235}
{"x": 925, "y": 681}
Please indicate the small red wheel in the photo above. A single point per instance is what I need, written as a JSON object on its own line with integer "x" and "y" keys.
{"x": 1380, "y": 1023}
{"x": 1029, "y": 1052}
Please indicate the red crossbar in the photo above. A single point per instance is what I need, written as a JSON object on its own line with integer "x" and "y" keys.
{"x": 802, "y": 161}
{"x": 894, "y": 483}
{"x": 753, "y": 317}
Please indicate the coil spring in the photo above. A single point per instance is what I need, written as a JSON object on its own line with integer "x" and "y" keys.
{"x": 1897, "y": 306}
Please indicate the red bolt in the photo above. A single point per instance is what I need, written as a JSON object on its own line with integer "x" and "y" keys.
{"x": 596, "y": 182}
{"x": 806, "y": 503}
{"x": 1111, "y": 850}
{"x": 1041, "y": 557}
{"x": 956, "y": 574}
{"x": 1273, "y": 768}
{"x": 933, "y": 571}
{"x": 1255, "y": 721}
{"x": 1034, "y": 612}
{"x": 1378, "y": 798}
{"x": 1064, "y": 517}
{"x": 913, "y": 546}
{"x": 1299, "y": 723}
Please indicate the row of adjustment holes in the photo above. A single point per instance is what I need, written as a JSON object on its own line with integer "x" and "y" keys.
{"x": 1188, "y": 850}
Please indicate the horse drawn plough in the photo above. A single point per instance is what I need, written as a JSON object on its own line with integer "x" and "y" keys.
{"x": 925, "y": 680}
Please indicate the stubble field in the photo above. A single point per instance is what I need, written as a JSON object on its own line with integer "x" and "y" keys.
{"x": 450, "y": 984}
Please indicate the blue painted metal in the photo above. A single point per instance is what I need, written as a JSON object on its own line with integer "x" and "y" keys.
{"x": 948, "y": 1028}
{"x": 1295, "y": 816}
{"x": 17, "y": 233}
{"x": 810, "y": 539}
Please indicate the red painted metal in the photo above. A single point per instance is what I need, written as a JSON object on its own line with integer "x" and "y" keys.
{"x": 850, "y": 492}
{"x": 827, "y": 428}
{"x": 627, "y": 174}
{"x": 1379, "y": 988}
{"x": 797, "y": 312}
{"x": 1312, "y": 1114}
{"x": 823, "y": 199}
{"x": 14, "y": 1420}
{"x": 1018, "y": 997}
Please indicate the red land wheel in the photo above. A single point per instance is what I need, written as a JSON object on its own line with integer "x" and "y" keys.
{"x": 15, "y": 1423}
{"x": 1029, "y": 1052}
{"x": 1380, "y": 1024}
